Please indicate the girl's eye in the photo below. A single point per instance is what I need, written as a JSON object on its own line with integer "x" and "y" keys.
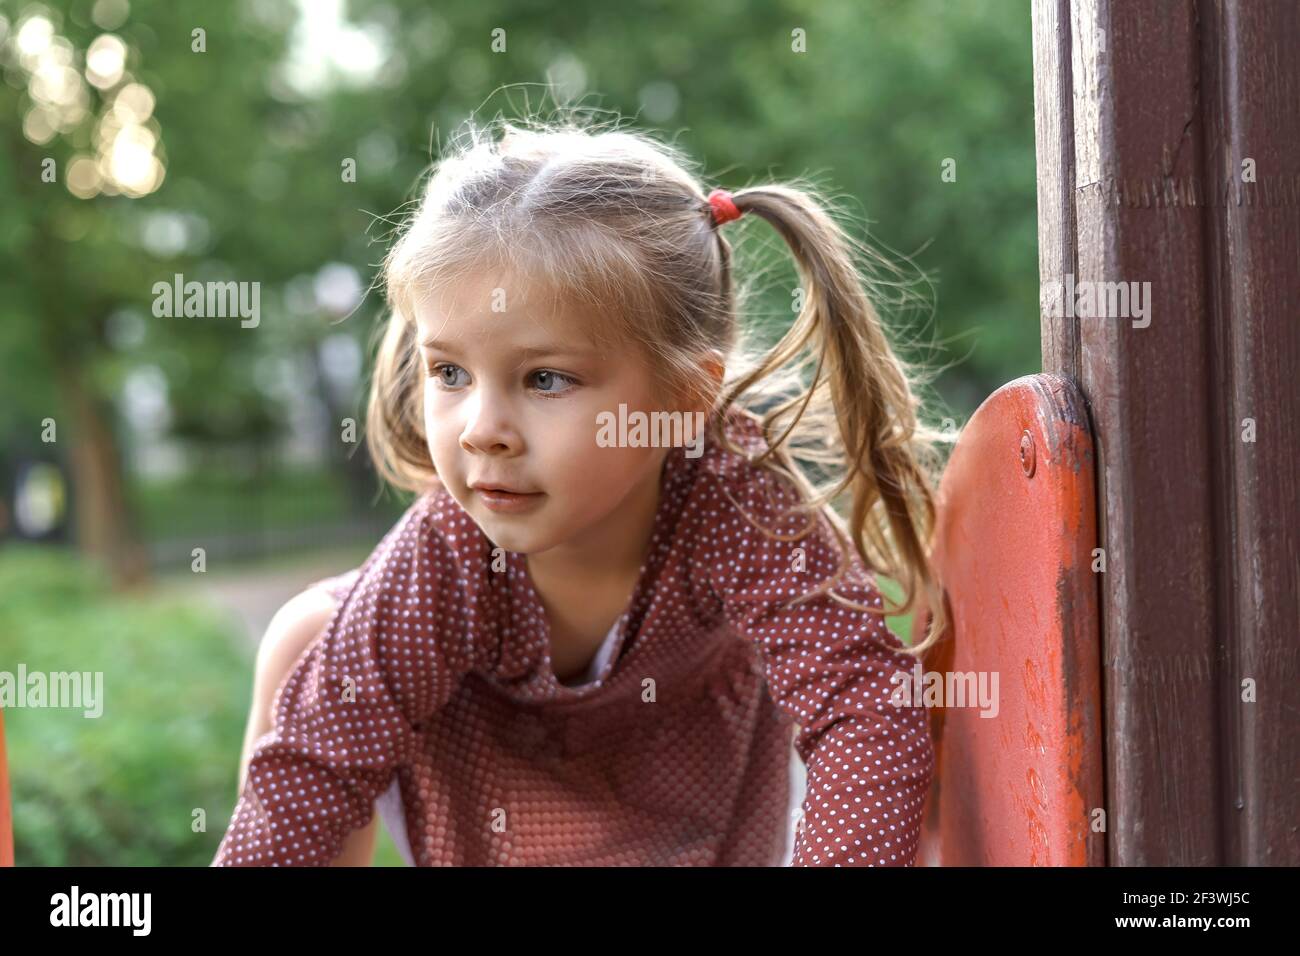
{"x": 545, "y": 377}
{"x": 439, "y": 372}
{"x": 545, "y": 381}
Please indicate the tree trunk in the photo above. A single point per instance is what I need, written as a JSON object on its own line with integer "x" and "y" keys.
{"x": 104, "y": 528}
{"x": 361, "y": 483}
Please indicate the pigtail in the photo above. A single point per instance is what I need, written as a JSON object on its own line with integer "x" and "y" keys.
{"x": 856, "y": 416}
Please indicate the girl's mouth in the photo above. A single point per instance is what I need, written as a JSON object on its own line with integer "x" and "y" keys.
{"x": 507, "y": 502}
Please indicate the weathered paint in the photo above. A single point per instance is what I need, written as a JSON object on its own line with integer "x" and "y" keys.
{"x": 1015, "y": 555}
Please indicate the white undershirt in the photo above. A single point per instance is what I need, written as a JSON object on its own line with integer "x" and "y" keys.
{"x": 598, "y": 662}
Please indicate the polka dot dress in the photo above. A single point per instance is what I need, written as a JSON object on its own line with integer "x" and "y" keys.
{"x": 434, "y": 672}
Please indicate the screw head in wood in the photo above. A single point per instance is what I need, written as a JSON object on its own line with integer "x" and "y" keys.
{"x": 1028, "y": 454}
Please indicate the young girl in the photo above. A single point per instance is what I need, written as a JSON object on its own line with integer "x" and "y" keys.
{"x": 595, "y": 633}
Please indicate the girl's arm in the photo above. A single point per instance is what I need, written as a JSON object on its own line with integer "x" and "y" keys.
{"x": 830, "y": 668}
{"x": 345, "y": 718}
{"x": 300, "y": 621}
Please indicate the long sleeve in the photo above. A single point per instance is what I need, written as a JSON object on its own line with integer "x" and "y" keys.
{"x": 392, "y": 654}
{"x": 829, "y": 667}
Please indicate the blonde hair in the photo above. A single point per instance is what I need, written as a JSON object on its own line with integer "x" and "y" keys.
{"x": 615, "y": 220}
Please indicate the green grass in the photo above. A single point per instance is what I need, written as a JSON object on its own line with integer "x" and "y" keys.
{"x": 151, "y": 780}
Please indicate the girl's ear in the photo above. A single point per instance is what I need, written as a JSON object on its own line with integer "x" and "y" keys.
{"x": 702, "y": 393}
{"x": 716, "y": 367}
{"x": 714, "y": 370}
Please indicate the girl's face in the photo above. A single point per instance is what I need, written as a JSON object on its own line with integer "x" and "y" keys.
{"x": 512, "y": 392}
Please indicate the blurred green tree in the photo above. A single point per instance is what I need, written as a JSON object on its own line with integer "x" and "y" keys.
{"x": 253, "y": 136}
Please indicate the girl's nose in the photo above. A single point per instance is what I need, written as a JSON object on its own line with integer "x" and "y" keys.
{"x": 488, "y": 428}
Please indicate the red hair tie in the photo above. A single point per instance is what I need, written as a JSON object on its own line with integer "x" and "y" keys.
{"x": 724, "y": 209}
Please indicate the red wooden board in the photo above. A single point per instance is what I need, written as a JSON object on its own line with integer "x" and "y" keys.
{"x": 1017, "y": 529}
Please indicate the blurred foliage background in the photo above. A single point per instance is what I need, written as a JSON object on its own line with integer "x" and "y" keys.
{"x": 131, "y": 155}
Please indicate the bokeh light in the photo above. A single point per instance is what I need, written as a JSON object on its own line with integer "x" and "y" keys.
{"x": 127, "y": 137}
{"x": 105, "y": 61}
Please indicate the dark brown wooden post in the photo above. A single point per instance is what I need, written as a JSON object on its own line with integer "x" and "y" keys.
{"x": 1168, "y": 139}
